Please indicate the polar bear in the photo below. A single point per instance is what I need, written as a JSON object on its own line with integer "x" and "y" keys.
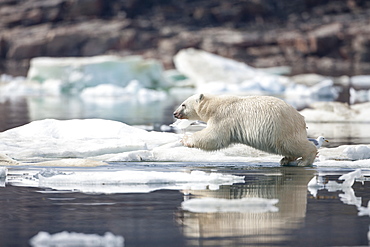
{"x": 263, "y": 122}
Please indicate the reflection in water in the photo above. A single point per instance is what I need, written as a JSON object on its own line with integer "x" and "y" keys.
{"x": 128, "y": 110}
{"x": 288, "y": 185}
{"x": 14, "y": 113}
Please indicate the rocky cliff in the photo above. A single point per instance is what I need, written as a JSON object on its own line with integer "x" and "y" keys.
{"x": 321, "y": 36}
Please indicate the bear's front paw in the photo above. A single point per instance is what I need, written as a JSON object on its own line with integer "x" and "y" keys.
{"x": 187, "y": 141}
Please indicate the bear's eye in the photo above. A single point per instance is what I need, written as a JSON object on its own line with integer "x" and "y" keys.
{"x": 183, "y": 106}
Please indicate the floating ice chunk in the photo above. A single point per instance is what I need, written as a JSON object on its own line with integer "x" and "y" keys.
{"x": 103, "y": 90}
{"x": 48, "y": 172}
{"x": 45, "y": 239}
{"x": 134, "y": 90}
{"x": 215, "y": 74}
{"x": 324, "y": 89}
{"x": 138, "y": 177}
{"x": 78, "y": 139}
{"x": 321, "y": 90}
{"x": 360, "y": 80}
{"x": 358, "y": 152}
{"x": 18, "y": 86}
{"x": 308, "y": 79}
{"x": 337, "y": 112}
{"x": 79, "y": 73}
{"x": 202, "y": 67}
{"x": 135, "y": 181}
{"x": 329, "y": 112}
{"x": 213, "y": 205}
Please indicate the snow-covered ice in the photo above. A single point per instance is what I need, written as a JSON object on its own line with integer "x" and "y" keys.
{"x": 54, "y": 139}
{"x": 112, "y": 141}
{"x": 358, "y": 152}
{"x": 337, "y": 112}
{"x": 218, "y": 75}
{"x": 45, "y": 239}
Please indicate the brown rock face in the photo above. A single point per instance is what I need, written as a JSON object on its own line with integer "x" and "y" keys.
{"x": 326, "y": 37}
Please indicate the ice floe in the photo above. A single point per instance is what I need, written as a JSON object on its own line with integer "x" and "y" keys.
{"x": 197, "y": 70}
{"x": 125, "y": 181}
{"x": 134, "y": 89}
{"x": 80, "y": 142}
{"x": 213, "y": 205}
{"x": 337, "y": 112}
{"x": 78, "y": 139}
{"x": 218, "y": 75}
{"x": 45, "y": 239}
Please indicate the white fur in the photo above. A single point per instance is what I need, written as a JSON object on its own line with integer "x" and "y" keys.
{"x": 263, "y": 122}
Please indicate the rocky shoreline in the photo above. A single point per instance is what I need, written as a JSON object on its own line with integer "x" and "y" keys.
{"x": 324, "y": 37}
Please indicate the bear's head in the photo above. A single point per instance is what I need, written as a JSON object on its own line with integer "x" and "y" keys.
{"x": 188, "y": 108}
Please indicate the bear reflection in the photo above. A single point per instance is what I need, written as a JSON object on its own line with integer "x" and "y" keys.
{"x": 288, "y": 185}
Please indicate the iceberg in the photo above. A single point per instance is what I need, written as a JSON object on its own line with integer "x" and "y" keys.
{"x": 75, "y": 74}
{"x": 215, "y": 74}
{"x": 361, "y": 81}
{"x": 44, "y": 239}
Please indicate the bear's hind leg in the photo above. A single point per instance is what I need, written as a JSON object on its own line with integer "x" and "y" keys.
{"x": 309, "y": 158}
{"x": 288, "y": 161}
{"x": 309, "y": 154}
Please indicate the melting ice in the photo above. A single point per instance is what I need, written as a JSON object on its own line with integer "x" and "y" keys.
{"x": 112, "y": 141}
{"x": 213, "y": 205}
{"x": 44, "y": 239}
{"x": 127, "y": 181}
{"x": 197, "y": 69}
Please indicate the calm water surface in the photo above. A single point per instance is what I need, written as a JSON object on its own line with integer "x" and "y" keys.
{"x": 156, "y": 218}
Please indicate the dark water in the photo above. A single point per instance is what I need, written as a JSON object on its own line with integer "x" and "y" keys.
{"x": 156, "y": 218}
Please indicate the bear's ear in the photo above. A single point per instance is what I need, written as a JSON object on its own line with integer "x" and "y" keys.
{"x": 201, "y": 96}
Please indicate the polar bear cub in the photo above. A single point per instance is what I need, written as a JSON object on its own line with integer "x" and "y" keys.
{"x": 263, "y": 122}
